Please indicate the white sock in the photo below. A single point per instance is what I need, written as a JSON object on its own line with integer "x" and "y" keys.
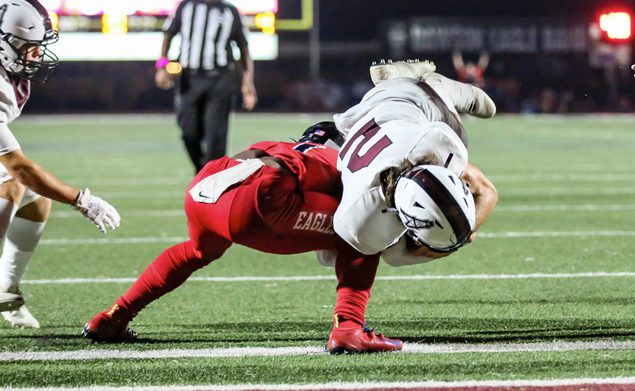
{"x": 7, "y": 211}
{"x": 21, "y": 240}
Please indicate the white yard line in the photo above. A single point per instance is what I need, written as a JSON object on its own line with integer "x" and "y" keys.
{"x": 409, "y": 348}
{"x": 486, "y": 235}
{"x": 423, "y": 385}
{"x": 565, "y": 208}
{"x": 61, "y": 281}
{"x": 501, "y": 208}
{"x": 555, "y": 234}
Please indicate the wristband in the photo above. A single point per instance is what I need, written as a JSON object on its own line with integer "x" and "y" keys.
{"x": 161, "y": 63}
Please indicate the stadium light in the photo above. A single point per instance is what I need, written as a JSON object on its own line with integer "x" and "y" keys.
{"x": 266, "y": 21}
{"x": 616, "y": 25}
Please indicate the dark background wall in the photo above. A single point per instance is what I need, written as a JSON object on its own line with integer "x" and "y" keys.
{"x": 352, "y": 35}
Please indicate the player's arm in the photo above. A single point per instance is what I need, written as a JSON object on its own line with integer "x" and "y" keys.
{"x": 484, "y": 193}
{"x": 33, "y": 176}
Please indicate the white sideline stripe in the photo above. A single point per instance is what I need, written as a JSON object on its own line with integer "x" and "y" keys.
{"x": 487, "y": 235}
{"x": 500, "y": 208}
{"x": 365, "y": 386}
{"x": 563, "y": 208}
{"x": 409, "y": 348}
{"x": 125, "y": 214}
{"x": 554, "y": 234}
{"x": 184, "y": 180}
{"x": 330, "y": 277}
{"x": 563, "y": 178}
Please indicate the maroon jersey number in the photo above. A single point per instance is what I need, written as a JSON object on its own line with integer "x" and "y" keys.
{"x": 356, "y": 162}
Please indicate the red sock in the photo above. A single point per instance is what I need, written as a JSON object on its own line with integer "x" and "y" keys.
{"x": 168, "y": 271}
{"x": 355, "y": 275}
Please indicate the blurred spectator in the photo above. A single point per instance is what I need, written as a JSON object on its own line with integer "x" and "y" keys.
{"x": 470, "y": 72}
{"x": 206, "y": 90}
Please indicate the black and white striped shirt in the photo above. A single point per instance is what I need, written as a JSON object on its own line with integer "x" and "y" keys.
{"x": 207, "y": 29}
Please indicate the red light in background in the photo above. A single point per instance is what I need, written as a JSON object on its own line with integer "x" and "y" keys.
{"x": 616, "y": 25}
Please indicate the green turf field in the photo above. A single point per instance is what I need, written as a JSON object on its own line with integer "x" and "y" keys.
{"x": 554, "y": 264}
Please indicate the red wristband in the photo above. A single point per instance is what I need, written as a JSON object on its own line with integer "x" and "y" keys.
{"x": 161, "y": 63}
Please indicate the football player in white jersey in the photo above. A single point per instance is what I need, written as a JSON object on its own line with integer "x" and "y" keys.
{"x": 409, "y": 192}
{"x": 25, "y": 187}
{"x": 401, "y": 123}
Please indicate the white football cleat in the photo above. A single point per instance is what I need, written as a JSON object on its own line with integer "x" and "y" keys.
{"x": 21, "y": 318}
{"x": 388, "y": 70}
{"x": 10, "y": 301}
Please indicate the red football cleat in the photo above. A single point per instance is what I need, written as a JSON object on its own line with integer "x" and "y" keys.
{"x": 360, "y": 340}
{"x": 109, "y": 326}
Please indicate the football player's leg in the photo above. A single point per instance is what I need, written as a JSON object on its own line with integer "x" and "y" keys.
{"x": 11, "y": 193}
{"x": 22, "y": 238}
{"x": 167, "y": 272}
{"x": 355, "y": 275}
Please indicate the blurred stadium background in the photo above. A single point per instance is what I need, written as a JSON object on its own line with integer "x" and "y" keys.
{"x": 313, "y": 55}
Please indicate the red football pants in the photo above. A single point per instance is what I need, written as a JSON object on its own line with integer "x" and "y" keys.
{"x": 267, "y": 212}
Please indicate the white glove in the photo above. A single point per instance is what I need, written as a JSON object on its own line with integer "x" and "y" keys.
{"x": 98, "y": 211}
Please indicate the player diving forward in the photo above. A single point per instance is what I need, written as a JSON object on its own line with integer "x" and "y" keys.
{"x": 25, "y": 33}
{"x": 402, "y": 167}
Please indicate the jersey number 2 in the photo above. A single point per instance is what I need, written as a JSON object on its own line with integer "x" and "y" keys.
{"x": 356, "y": 161}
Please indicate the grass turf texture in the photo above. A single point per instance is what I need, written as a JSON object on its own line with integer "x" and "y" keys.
{"x": 576, "y": 174}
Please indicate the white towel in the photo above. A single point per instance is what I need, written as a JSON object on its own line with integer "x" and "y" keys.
{"x": 209, "y": 190}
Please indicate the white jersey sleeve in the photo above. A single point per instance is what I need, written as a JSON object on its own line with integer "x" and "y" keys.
{"x": 9, "y": 110}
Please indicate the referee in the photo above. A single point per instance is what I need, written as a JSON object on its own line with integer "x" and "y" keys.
{"x": 206, "y": 90}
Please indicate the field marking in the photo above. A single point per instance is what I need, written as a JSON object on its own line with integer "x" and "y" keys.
{"x": 598, "y": 177}
{"x": 514, "y": 178}
{"x": 501, "y": 208}
{"x": 485, "y": 235}
{"x": 565, "y": 208}
{"x": 409, "y": 348}
{"x": 554, "y": 234}
{"x": 125, "y": 213}
{"x": 107, "y": 280}
{"x": 475, "y": 385}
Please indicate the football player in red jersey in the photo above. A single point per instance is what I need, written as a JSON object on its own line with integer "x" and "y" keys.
{"x": 276, "y": 197}
{"x": 26, "y": 188}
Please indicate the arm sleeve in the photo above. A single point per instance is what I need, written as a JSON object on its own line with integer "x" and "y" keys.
{"x": 8, "y": 142}
{"x": 172, "y": 25}
{"x": 239, "y": 30}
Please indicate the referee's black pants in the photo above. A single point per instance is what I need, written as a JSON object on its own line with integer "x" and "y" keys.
{"x": 203, "y": 105}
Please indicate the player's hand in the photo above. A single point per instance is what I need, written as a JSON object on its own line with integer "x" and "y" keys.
{"x": 163, "y": 79}
{"x": 633, "y": 68}
{"x": 250, "y": 98}
{"x": 98, "y": 211}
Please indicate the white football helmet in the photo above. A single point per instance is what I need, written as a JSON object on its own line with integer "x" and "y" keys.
{"x": 436, "y": 207}
{"x": 23, "y": 24}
